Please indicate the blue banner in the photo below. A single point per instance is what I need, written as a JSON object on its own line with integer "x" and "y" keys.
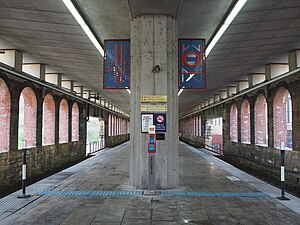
{"x": 116, "y": 69}
{"x": 191, "y": 63}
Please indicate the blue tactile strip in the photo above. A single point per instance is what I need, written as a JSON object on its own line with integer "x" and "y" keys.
{"x": 92, "y": 193}
{"x": 214, "y": 194}
{"x": 162, "y": 193}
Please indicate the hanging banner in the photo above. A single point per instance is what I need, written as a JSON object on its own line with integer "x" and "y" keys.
{"x": 191, "y": 65}
{"x": 116, "y": 66}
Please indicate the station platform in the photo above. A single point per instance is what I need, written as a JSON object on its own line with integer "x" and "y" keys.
{"x": 97, "y": 191}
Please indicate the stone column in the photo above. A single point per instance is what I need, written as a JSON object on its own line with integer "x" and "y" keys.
{"x": 154, "y": 42}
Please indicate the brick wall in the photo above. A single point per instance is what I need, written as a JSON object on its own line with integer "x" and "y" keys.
{"x": 245, "y": 121}
{"x": 75, "y": 122}
{"x": 30, "y": 113}
{"x": 41, "y": 161}
{"x": 112, "y": 141}
{"x": 63, "y": 121}
{"x": 40, "y": 113}
{"x": 233, "y": 123}
{"x": 260, "y": 109}
{"x": 49, "y": 120}
{"x": 4, "y": 116}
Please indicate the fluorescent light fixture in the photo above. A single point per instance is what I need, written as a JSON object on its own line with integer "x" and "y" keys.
{"x": 84, "y": 26}
{"x": 180, "y": 91}
{"x": 236, "y": 9}
{"x": 128, "y": 90}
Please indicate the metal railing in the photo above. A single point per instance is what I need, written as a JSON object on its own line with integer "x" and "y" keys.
{"x": 215, "y": 148}
{"x": 95, "y": 146}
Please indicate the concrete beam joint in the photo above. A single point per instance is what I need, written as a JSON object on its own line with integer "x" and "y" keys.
{"x": 12, "y": 58}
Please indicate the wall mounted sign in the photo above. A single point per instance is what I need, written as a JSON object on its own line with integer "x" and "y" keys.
{"x": 147, "y": 120}
{"x": 154, "y": 98}
{"x": 153, "y": 107}
{"x": 191, "y": 66}
{"x": 160, "y": 122}
{"x": 116, "y": 66}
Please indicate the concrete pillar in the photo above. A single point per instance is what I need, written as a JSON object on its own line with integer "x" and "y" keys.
{"x": 231, "y": 90}
{"x": 211, "y": 100}
{"x": 242, "y": 85}
{"x": 274, "y": 70}
{"x": 53, "y": 78}
{"x": 294, "y": 60}
{"x": 154, "y": 42}
{"x": 223, "y": 94}
{"x": 256, "y": 78}
{"x": 34, "y": 69}
{"x": 12, "y": 58}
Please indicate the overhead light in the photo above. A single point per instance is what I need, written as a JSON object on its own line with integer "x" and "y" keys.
{"x": 84, "y": 26}
{"x": 236, "y": 9}
{"x": 180, "y": 91}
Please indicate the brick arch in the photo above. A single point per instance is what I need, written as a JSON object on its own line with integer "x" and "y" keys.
{"x": 245, "y": 122}
{"x": 63, "y": 121}
{"x": 27, "y": 117}
{"x": 4, "y": 116}
{"x": 48, "y": 120}
{"x": 75, "y": 122}
{"x": 261, "y": 121}
{"x": 233, "y": 123}
{"x": 282, "y": 120}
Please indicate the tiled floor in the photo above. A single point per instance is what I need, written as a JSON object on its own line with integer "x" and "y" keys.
{"x": 93, "y": 192}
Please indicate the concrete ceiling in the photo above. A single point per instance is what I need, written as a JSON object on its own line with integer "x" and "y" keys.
{"x": 263, "y": 32}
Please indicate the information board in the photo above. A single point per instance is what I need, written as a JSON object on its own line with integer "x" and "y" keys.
{"x": 116, "y": 66}
{"x": 147, "y": 120}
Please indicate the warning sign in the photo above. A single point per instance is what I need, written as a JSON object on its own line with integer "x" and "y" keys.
{"x": 160, "y": 122}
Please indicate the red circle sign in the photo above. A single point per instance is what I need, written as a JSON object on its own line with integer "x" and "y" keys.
{"x": 160, "y": 119}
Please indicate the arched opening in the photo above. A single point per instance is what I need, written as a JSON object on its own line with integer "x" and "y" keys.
{"x": 75, "y": 122}
{"x": 27, "y": 118}
{"x": 261, "y": 121}
{"x": 282, "y": 119}
{"x": 48, "y": 120}
{"x": 63, "y": 121}
{"x": 233, "y": 123}
{"x": 245, "y": 122}
{"x": 4, "y": 116}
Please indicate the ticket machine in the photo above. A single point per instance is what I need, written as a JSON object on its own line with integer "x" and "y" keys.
{"x": 151, "y": 139}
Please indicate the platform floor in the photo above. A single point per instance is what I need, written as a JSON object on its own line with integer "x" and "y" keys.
{"x": 97, "y": 191}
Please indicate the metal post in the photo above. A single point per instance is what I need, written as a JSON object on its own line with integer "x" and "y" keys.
{"x": 282, "y": 184}
{"x": 24, "y": 143}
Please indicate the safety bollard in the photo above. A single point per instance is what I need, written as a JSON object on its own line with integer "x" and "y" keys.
{"x": 24, "y": 144}
{"x": 282, "y": 179}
